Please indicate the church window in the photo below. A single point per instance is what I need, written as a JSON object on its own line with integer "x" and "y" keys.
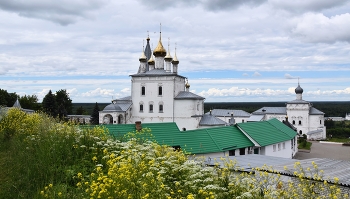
{"x": 293, "y": 121}
{"x": 141, "y": 107}
{"x": 160, "y": 91}
{"x": 274, "y": 147}
{"x": 300, "y": 132}
{"x": 320, "y": 121}
{"x": 161, "y": 108}
{"x": 143, "y": 90}
{"x": 279, "y": 147}
{"x": 299, "y": 122}
{"x": 284, "y": 145}
{"x": 242, "y": 121}
{"x": 242, "y": 151}
{"x": 151, "y": 108}
{"x": 232, "y": 152}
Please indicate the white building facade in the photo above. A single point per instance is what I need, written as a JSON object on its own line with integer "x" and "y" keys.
{"x": 300, "y": 113}
{"x": 158, "y": 94}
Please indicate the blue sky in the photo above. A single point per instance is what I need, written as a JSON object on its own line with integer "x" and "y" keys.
{"x": 244, "y": 51}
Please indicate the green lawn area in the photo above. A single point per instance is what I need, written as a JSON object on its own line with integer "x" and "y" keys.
{"x": 307, "y": 146}
{"x": 343, "y": 140}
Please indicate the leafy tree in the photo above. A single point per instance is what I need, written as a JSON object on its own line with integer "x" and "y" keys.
{"x": 81, "y": 111}
{"x": 7, "y": 99}
{"x": 49, "y": 104}
{"x": 29, "y": 102}
{"x": 64, "y": 103}
{"x": 95, "y": 115}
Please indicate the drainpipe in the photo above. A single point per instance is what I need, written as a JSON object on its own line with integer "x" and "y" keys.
{"x": 174, "y": 99}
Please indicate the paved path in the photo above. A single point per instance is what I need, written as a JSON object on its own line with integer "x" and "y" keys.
{"x": 325, "y": 150}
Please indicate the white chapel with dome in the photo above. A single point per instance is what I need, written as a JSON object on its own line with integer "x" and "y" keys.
{"x": 158, "y": 94}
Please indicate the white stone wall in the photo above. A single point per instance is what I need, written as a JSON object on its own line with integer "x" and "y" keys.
{"x": 279, "y": 150}
{"x": 237, "y": 119}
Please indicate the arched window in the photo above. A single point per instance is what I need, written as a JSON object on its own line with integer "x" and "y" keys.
{"x": 293, "y": 121}
{"x": 141, "y": 107}
{"x": 299, "y": 122}
{"x": 300, "y": 132}
{"x": 161, "y": 108}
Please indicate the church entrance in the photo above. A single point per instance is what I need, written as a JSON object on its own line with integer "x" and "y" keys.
{"x": 108, "y": 119}
{"x": 120, "y": 119}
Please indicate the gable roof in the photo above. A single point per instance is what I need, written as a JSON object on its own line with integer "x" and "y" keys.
{"x": 187, "y": 95}
{"x": 197, "y": 141}
{"x": 211, "y": 120}
{"x": 228, "y": 112}
{"x": 314, "y": 111}
{"x": 271, "y": 110}
{"x": 268, "y": 132}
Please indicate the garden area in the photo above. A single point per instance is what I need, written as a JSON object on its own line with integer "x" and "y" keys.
{"x": 41, "y": 157}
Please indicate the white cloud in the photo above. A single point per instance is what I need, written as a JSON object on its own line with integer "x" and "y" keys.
{"x": 345, "y": 91}
{"x": 288, "y": 76}
{"x": 99, "y": 92}
{"x": 305, "y": 6}
{"x": 63, "y": 12}
{"x": 315, "y": 27}
{"x": 245, "y": 74}
{"x": 235, "y": 91}
{"x": 256, "y": 74}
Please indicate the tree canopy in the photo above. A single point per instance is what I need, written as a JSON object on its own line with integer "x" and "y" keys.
{"x": 49, "y": 104}
{"x": 7, "y": 99}
{"x": 95, "y": 115}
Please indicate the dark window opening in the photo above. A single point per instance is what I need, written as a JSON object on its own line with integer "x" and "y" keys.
{"x": 320, "y": 121}
{"x": 177, "y": 148}
{"x": 160, "y": 90}
{"x": 161, "y": 108}
{"x": 143, "y": 90}
{"x": 141, "y": 107}
{"x": 293, "y": 121}
{"x": 242, "y": 151}
{"x": 151, "y": 108}
{"x": 232, "y": 152}
{"x": 300, "y": 132}
{"x": 184, "y": 129}
{"x": 256, "y": 151}
{"x": 299, "y": 122}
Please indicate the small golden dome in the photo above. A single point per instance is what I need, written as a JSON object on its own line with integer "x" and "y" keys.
{"x": 175, "y": 60}
{"x": 143, "y": 57}
{"x": 151, "y": 60}
{"x": 159, "y": 50}
{"x": 168, "y": 56}
{"x": 187, "y": 85}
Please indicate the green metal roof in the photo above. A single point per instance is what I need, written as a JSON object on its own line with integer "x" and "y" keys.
{"x": 197, "y": 141}
{"x": 267, "y": 132}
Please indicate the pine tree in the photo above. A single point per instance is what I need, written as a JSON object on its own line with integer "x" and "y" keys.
{"x": 95, "y": 115}
{"x": 49, "y": 104}
{"x": 64, "y": 103}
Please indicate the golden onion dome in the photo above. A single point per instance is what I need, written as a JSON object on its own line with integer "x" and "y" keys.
{"x": 175, "y": 60}
{"x": 168, "y": 56}
{"x": 151, "y": 60}
{"x": 187, "y": 85}
{"x": 143, "y": 57}
{"x": 159, "y": 50}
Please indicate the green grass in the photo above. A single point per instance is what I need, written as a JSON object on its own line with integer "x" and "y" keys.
{"x": 307, "y": 146}
{"x": 342, "y": 140}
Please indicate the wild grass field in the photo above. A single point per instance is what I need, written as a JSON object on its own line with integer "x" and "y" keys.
{"x": 41, "y": 157}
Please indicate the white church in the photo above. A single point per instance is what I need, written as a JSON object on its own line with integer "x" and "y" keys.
{"x": 158, "y": 94}
{"x": 301, "y": 114}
